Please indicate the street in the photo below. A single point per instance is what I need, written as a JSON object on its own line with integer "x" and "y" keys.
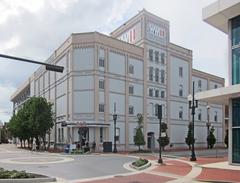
{"x": 67, "y": 167}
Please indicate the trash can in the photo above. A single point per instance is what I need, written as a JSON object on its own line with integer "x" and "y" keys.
{"x": 107, "y": 146}
{"x": 66, "y": 150}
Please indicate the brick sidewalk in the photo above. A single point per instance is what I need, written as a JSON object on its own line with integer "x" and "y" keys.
{"x": 214, "y": 174}
{"x": 137, "y": 178}
{"x": 174, "y": 169}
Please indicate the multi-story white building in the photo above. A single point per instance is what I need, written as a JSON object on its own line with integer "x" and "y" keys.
{"x": 136, "y": 68}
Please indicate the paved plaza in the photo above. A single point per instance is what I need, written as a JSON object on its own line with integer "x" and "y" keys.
{"x": 113, "y": 168}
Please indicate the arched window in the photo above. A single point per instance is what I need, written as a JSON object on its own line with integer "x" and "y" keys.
{"x": 180, "y": 114}
{"x": 180, "y": 90}
{"x": 151, "y": 73}
{"x": 157, "y": 75}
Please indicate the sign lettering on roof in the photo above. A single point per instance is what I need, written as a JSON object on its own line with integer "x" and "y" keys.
{"x": 157, "y": 33}
{"x": 132, "y": 35}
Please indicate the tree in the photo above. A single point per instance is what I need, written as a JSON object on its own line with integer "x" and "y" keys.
{"x": 33, "y": 120}
{"x": 139, "y": 138}
{"x": 211, "y": 138}
{"x": 5, "y": 134}
{"x": 189, "y": 139}
{"x": 226, "y": 138}
{"x": 164, "y": 139}
{"x": 41, "y": 118}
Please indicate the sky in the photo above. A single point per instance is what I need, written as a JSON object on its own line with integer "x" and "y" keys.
{"x": 34, "y": 29}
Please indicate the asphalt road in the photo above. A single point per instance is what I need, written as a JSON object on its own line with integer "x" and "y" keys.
{"x": 68, "y": 167}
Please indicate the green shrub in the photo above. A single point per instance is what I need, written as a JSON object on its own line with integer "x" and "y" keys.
{"x": 211, "y": 139}
{"x": 140, "y": 162}
{"x": 14, "y": 174}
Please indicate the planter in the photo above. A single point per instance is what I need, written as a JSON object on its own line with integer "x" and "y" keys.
{"x": 148, "y": 164}
{"x": 36, "y": 179}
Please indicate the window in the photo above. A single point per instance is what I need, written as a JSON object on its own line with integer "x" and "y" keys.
{"x": 199, "y": 83}
{"x": 131, "y": 89}
{"x": 101, "y": 134}
{"x": 131, "y": 110}
{"x": 101, "y": 108}
{"x": 157, "y": 75}
{"x": 162, "y": 94}
{"x": 150, "y": 92}
{"x": 156, "y": 109}
{"x": 180, "y": 71}
{"x": 157, "y": 93}
{"x": 101, "y": 84}
{"x": 215, "y": 86}
{"x": 151, "y": 109}
{"x": 162, "y": 58}
{"x": 162, "y": 76}
{"x": 131, "y": 69}
{"x": 101, "y": 62}
{"x": 215, "y": 116}
{"x": 236, "y": 66}
{"x": 236, "y": 31}
{"x": 200, "y": 115}
{"x": 180, "y": 114}
{"x": 150, "y": 54}
{"x": 236, "y": 130}
{"x": 156, "y": 56}
{"x": 180, "y": 90}
{"x": 151, "y": 73}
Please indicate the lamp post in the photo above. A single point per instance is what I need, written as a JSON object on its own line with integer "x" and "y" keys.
{"x": 160, "y": 133}
{"x": 193, "y": 105}
{"x": 208, "y": 124}
{"x": 115, "y": 137}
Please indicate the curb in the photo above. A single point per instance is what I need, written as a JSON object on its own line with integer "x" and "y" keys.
{"x": 215, "y": 181}
{"x": 30, "y": 180}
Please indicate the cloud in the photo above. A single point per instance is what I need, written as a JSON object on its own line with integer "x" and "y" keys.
{"x": 34, "y": 29}
{"x": 188, "y": 30}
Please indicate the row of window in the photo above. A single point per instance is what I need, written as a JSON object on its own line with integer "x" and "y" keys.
{"x": 180, "y": 113}
{"x": 200, "y": 85}
{"x": 131, "y": 87}
{"x": 101, "y": 63}
{"x": 199, "y": 116}
{"x": 156, "y": 70}
{"x": 154, "y": 55}
{"x": 151, "y": 91}
{"x": 130, "y": 109}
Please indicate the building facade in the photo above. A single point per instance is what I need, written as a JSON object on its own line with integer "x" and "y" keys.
{"x": 225, "y": 16}
{"x": 134, "y": 69}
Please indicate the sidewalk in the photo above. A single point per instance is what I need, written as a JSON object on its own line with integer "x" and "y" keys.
{"x": 179, "y": 170}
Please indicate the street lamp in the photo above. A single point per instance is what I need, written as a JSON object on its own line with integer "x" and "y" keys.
{"x": 115, "y": 137}
{"x": 193, "y": 105}
{"x": 160, "y": 133}
{"x": 208, "y": 124}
